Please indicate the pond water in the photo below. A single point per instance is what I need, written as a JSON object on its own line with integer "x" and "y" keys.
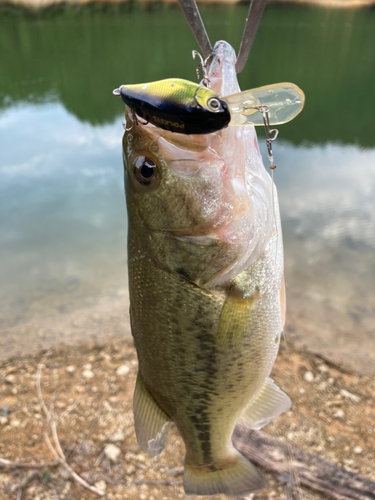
{"x": 63, "y": 273}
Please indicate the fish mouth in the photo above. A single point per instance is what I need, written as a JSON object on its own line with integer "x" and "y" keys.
{"x": 222, "y": 70}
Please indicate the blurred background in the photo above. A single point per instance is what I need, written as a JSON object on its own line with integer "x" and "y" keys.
{"x": 63, "y": 273}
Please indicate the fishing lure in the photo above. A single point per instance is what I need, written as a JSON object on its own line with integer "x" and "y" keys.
{"x": 177, "y": 105}
{"x": 189, "y": 108}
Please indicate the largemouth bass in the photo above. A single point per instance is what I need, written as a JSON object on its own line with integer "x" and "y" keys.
{"x": 207, "y": 299}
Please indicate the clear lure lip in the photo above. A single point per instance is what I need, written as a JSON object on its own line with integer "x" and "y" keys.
{"x": 284, "y": 101}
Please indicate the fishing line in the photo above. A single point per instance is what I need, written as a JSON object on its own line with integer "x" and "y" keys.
{"x": 293, "y": 473}
{"x": 274, "y": 216}
{"x": 271, "y": 135}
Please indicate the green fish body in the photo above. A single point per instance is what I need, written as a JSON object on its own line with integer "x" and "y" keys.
{"x": 207, "y": 300}
{"x": 177, "y": 105}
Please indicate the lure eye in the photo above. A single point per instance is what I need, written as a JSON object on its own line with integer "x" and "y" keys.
{"x": 145, "y": 170}
{"x": 214, "y": 104}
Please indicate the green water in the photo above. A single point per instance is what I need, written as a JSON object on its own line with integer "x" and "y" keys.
{"x": 62, "y": 211}
{"x": 78, "y": 56}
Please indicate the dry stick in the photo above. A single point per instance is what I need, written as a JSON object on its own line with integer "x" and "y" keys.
{"x": 158, "y": 483}
{"x": 50, "y": 419}
{"x": 69, "y": 409}
{"x": 30, "y": 476}
{"x": 313, "y": 471}
{"x": 74, "y": 475}
{"x": 176, "y": 471}
{"x": 26, "y": 465}
{"x": 59, "y": 454}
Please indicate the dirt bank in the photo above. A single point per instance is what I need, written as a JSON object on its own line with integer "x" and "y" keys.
{"x": 89, "y": 392}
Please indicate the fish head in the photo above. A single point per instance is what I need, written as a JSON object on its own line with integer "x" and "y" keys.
{"x": 173, "y": 182}
{"x": 199, "y": 205}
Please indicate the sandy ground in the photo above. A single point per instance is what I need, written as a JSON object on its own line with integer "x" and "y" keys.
{"x": 88, "y": 390}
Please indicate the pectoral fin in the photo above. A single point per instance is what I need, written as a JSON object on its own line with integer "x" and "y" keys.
{"x": 235, "y": 318}
{"x": 269, "y": 403}
{"x": 150, "y": 422}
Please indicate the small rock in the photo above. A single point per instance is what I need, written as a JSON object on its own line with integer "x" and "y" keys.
{"x": 130, "y": 469}
{"x": 87, "y": 366}
{"x": 134, "y": 448}
{"x": 322, "y": 386}
{"x": 331, "y": 380}
{"x": 338, "y": 414}
{"x": 301, "y": 390}
{"x": 65, "y": 473}
{"x": 323, "y": 368}
{"x": 358, "y": 450}
{"x": 15, "y": 423}
{"x": 117, "y": 437}
{"x": 122, "y": 370}
{"x": 88, "y": 374}
{"x": 66, "y": 489}
{"x": 309, "y": 377}
{"x": 3, "y": 420}
{"x": 348, "y": 461}
{"x": 10, "y": 379}
{"x": 112, "y": 452}
{"x": 4, "y": 411}
{"x": 349, "y": 395}
{"x": 102, "y": 485}
{"x": 70, "y": 369}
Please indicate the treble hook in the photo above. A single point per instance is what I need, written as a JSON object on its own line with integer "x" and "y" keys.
{"x": 202, "y": 67}
{"x": 265, "y": 110}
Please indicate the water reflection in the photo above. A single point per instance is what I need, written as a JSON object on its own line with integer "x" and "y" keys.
{"x": 63, "y": 236}
{"x": 77, "y": 56}
{"x": 63, "y": 224}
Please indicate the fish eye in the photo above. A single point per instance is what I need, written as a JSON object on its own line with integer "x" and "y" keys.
{"x": 214, "y": 104}
{"x": 145, "y": 170}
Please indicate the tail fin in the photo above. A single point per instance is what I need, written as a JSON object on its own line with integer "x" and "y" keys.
{"x": 236, "y": 479}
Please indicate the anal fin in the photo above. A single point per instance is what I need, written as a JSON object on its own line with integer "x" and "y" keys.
{"x": 150, "y": 422}
{"x": 268, "y": 404}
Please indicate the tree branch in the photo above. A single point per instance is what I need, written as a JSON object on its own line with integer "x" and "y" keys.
{"x": 289, "y": 463}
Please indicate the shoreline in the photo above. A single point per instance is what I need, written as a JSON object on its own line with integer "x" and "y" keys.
{"x": 89, "y": 389}
{"x": 44, "y": 4}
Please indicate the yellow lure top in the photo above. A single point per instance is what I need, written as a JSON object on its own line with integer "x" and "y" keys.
{"x": 177, "y": 105}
